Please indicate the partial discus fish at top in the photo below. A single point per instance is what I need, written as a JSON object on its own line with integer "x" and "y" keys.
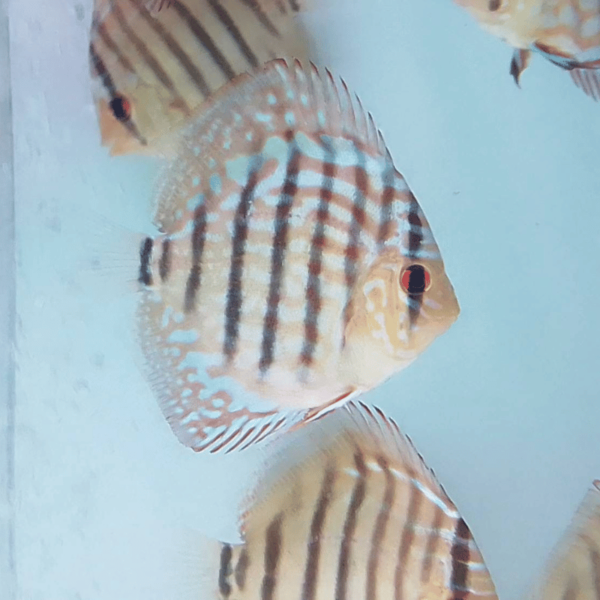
{"x": 296, "y": 268}
{"x": 573, "y": 571}
{"x": 154, "y": 62}
{"x": 566, "y": 32}
{"x": 352, "y": 513}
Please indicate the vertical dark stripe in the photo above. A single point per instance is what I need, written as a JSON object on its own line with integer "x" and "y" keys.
{"x": 234, "y": 32}
{"x": 415, "y": 239}
{"x": 460, "y": 554}
{"x": 311, "y": 570}
{"x": 109, "y": 85}
{"x": 356, "y": 500}
{"x": 105, "y": 77}
{"x": 194, "y": 278}
{"x": 272, "y": 554}
{"x": 204, "y": 38}
{"x": 387, "y": 199}
{"x": 145, "y": 276}
{"x": 171, "y": 43}
{"x": 380, "y": 529}
{"x": 356, "y": 225}
{"x": 225, "y": 571}
{"x": 241, "y": 569}
{"x": 279, "y": 247}
{"x": 149, "y": 59}
{"x": 415, "y": 234}
{"x": 595, "y": 567}
{"x": 233, "y": 307}
{"x": 112, "y": 46}
{"x": 317, "y": 245}
{"x": 281, "y": 6}
{"x": 432, "y": 540}
{"x": 164, "y": 265}
{"x": 571, "y": 590}
{"x": 406, "y": 540}
{"x": 264, "y": 20}
{"x": 294, "y": 4}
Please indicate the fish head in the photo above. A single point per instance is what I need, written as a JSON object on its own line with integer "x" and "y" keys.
{"x": 495, "y": 16}
{"x": 136, "y": 119}
{"x": 485, "y": 10}
{"x": 513, "y": 22}
{"x": 403, "y": 303}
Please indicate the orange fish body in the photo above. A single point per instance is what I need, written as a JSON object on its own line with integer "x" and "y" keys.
{"x": 346, "y": 509}
{"x": 154, "y": 62}
{"x": 361, "y": 517}
{"x": 566, "y": 32}
{"x": 296, "y": 267}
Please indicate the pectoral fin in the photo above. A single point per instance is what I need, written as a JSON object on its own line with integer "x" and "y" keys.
{"x": 520, "y": 61}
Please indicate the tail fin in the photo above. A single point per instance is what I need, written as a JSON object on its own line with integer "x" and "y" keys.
{"x": 162, "y": 563}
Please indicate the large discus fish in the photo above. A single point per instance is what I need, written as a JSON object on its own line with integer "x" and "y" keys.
{"x": 573, "y": 570}
{"x": 566, "y": 32}
{"x": 351, "y": 513}
{"x": 296, "y": 267}
{"x": 154, "y": 62}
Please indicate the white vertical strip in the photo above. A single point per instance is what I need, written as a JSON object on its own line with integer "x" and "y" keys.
{"x": 7, "y": 319}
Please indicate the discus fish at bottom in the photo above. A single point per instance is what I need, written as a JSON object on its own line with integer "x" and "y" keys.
{"x": 296, "y": 268}
{"x": 573, "y": 569}
{"x": 346, "y": 510}
{"x": 566, "y": 32}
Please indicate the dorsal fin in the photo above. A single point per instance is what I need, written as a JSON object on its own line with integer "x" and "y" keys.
{"x": 354, "y": 484}
{"x": 335, "y": 436}
{"x": 277, "y": 97}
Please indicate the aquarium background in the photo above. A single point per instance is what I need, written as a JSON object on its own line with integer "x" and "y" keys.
{"x": 504, "y": 407}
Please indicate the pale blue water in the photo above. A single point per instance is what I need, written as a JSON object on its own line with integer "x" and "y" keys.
{"x": 504, "y": 407}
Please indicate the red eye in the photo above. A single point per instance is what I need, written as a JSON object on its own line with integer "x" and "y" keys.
{"x": 415, "y": 279}
{"x": 121, "y": 108}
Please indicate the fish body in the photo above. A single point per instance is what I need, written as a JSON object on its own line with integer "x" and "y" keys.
{"x": 573, "y": 569}
{"x": 296, "y": 267}
{"x": 354, "y": 514}
{"x": 566, "y": 32}
{"x": 154, "y": 62}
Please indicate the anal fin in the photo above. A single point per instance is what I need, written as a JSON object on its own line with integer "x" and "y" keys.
{"x": 587, "y": 80}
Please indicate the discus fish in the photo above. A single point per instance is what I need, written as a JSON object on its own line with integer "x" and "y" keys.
{"x": 296, "y": 268}
{"x": 573, "y": 570}
{"x": 154, "y": 62}
{"x": 353, "y": 514}
{"x": 566, "y": 32}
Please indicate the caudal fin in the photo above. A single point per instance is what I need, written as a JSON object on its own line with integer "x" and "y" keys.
{"x": 162, "y": 563}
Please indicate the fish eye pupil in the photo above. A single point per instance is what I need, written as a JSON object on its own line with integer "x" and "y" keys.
{"x": 120, "y": 108}
{"x": 415, "y": 279}
{"x": 494, "y": 5}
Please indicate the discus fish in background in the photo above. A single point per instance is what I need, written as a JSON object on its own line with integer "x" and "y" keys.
{"x": 296, "y": 268}
{"x": 573, "y": 570}
{"x": 154, "y": 62}
{"x": 566, "y": 32}
{"x": 352, "y": 513}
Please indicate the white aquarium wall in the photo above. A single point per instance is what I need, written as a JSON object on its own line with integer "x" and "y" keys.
{"x": 504, "y": 407}
{"x": 7, "y": 322}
